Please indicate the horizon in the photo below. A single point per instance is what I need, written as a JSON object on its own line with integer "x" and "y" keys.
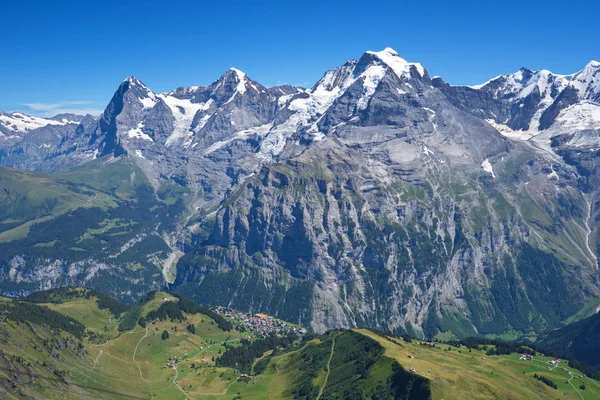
{"x": 41, "y": 110}
{"x": 70, "y": 59}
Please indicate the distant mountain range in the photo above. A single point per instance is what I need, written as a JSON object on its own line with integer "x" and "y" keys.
{"x": 379, "y": 197}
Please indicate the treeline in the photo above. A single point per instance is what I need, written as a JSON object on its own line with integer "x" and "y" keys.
{"x": 500, "y": 347}
{"x": 55, "y": 296}
{"x": 546, "y": 380}
{"x": 167, "y": 310}
{"x": 170, "y": 310}
{"x": 130, "y": 319}
{"x": 243, "y": 357}
{"x": 188, "y": 306}
{"x": 579, "y": 339}
{"x": 60, "y": 295}
{"x": 584, "y": 368}
{"x": 407, "y": 385}
{"x": 20, "y": 311}
{"x": 174, "y": 310}
{"x": 115, "y": 307}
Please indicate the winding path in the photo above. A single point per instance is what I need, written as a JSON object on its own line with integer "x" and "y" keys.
{"x": 108, "y": 342}
{"x": 574, "y": 388}
{"x": 135, "y": 351}
{"x": 328, "y": 369}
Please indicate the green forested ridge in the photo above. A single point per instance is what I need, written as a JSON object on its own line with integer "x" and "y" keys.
{"x": 355, "y": 369}
{"x": 242, "y": 357}
{"x": 580, "y": 340}
{"x": 21, "y": 311}
{"x": 130, "y": 319}
{"x": 188, "y": 306}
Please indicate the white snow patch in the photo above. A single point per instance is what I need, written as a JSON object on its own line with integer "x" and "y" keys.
{"x": 487, "y": 167}
{"x": 587, "y": 81}
{"x": 430, "y": 112}
{"x": 510, "y": 133}
{"x": 241, "y": 78}
{"x": 426, "y": 151}
{"x": 148, "y": 102}
{"x": 139, "y": 154}
{"x": 307, "y": 110}
{"x": 261, "y": 131}
{"x": 477, "y": 87}
{"x": 318, "y": 136}
{"x": 372, "y": 76}
{"x": 137, "y": 133}
{"x": 23, "y": 123}
{"x": 183, "y": 111}
{"x": 581, "y": 116}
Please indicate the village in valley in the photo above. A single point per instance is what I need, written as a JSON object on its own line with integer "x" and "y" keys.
{"x": 248, "y": 326}
{"x": 259, "y": 324}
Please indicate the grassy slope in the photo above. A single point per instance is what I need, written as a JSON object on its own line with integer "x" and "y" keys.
{"x": 133, "y": 364}
{"x": 87, "y": 312}
{"x": 474, "y": 375}
{"x": 109, "y": 369}
{"x": 118, "y": 177}
{"x": 29, "y": 197}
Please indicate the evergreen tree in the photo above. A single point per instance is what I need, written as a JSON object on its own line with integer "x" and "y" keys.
{"x": 191, "y": 329}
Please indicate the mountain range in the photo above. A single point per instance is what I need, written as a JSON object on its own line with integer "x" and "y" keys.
{"x": 380, "y": 198}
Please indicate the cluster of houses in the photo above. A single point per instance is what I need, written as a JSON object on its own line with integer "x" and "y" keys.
{"x": 526, "y": 357}
{"x": 259, "y": 324}
{"x": 554, "y": 361}
{"x": 171, "y": 362}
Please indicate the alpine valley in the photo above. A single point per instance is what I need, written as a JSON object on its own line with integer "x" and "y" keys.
{"x": 379, "y": 198}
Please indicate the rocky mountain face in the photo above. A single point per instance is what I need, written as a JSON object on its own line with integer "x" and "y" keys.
{"x": 379, "y": 197}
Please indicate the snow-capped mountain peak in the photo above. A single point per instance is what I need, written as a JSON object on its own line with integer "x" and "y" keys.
{"x": 138, "y": 90}
{"x": 232, "y": 83}
{"x": 587, "y": 82}
{"x": 535, "y": 100}
{"x": 592, "y": 65}
{"x": 400, "y": 66}
{"x": 523, "y": 82}
{"x": 132, "y": 80}
{"x": 241, "y": 79}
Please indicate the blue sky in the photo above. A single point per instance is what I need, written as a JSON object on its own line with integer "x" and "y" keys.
{"x": 71, "y": 55}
